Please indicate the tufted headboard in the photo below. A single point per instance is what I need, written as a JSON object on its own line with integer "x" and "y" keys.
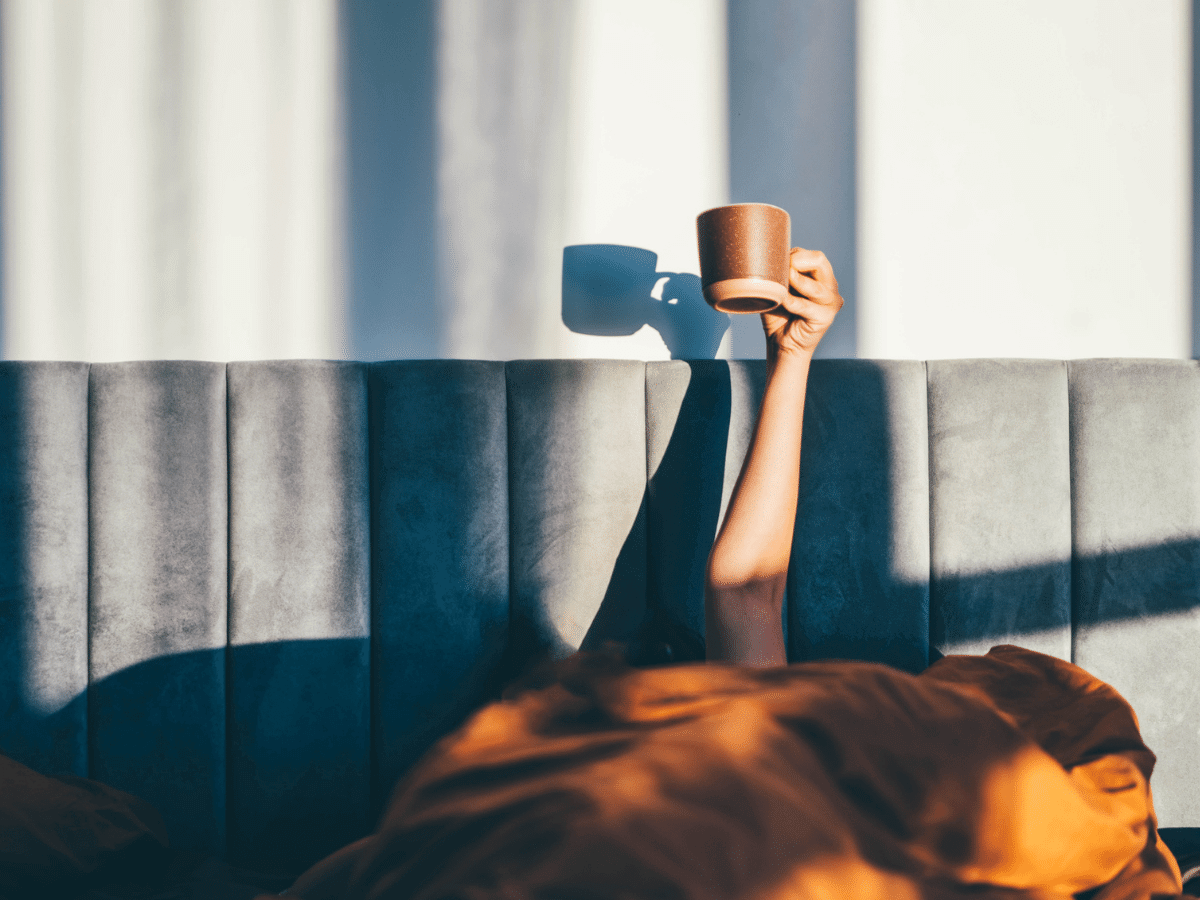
{"x": 254, "y": 593}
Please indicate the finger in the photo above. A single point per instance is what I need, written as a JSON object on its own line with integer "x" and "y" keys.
{"x": 815, "y": 264}
{"x": 823, "y": 305}
{"x": 809, "y": 287}
{"x": 802, "y": 307}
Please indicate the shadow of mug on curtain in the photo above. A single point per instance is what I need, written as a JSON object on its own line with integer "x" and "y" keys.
{"x": 614, "y": 290}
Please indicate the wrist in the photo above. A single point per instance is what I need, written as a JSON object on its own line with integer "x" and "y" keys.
{"x": 788, "y": 359}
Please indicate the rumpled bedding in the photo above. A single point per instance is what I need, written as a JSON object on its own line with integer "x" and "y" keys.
{"x": 56, "y": 833}
{"x": 1010, "y": 775}
{"x": 68, "y": 838}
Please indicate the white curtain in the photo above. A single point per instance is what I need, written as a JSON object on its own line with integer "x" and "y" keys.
{"x": 171, "y": 179}
{"x": 363, "y": 179}
{"x": 503, "y": 88}
{"x": 372, "y": 179}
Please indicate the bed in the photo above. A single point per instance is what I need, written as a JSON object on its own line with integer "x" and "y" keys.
{"x": 254, "y": 594}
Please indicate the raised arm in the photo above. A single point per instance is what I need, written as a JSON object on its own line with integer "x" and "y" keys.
{"x": 747, "y": 567}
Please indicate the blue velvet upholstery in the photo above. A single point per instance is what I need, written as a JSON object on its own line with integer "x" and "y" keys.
{"x": 255, "y": 593}
{"x": 858, "y": 586}
{"x": 439, "y": 551}
{"x": 699, "y": 421}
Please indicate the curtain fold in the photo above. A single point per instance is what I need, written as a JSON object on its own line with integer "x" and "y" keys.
{"x": 504, "y": 82}
{"x": 172, "y": 179}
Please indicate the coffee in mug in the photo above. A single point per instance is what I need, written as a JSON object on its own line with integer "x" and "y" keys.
{"x": 745, "y": 256}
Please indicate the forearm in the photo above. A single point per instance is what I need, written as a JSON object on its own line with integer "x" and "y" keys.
{"x": 747, "y": 567}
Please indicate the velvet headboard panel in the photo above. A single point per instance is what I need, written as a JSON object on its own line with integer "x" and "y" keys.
{"x": 254, "y": 593}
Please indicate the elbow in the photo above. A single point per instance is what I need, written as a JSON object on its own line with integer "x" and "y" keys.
{"x": 744, "y": 587}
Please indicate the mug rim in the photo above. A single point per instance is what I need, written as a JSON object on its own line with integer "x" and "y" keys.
{"x": 743, "y": 206}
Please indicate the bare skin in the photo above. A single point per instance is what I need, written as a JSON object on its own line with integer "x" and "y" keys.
{"x": 747, "y": 567}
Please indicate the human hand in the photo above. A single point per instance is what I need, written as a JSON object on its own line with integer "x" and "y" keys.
{"x": 813, "y": 301}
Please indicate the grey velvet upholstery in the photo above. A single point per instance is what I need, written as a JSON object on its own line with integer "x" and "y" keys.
{"x": 255, "y": 593}
{"x": 1135, "y": 446}
{"x": 157, "y": 587}
{"x": 1000, "y": 505}
{"x": 577, "y": 480}
{"x": 299, "y": 607}
{"x": 44, "y": 563}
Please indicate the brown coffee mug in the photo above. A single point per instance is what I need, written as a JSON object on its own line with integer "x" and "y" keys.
{"x": 745, "y": 256}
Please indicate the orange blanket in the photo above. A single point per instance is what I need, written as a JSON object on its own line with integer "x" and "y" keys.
{"x": 1009, "y": 775}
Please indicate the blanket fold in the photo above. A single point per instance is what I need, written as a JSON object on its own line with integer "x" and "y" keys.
{"x": 1009, "y": 775}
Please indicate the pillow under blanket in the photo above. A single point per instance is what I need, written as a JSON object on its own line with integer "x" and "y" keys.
{"x": 58, "y": 835}
{"x": 1010, "y": 775}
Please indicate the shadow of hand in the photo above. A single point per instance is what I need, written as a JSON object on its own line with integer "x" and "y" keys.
{"x": 690, "y": 328}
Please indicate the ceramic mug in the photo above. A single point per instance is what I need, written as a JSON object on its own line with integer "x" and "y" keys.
{"x": 745, "y": 256}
